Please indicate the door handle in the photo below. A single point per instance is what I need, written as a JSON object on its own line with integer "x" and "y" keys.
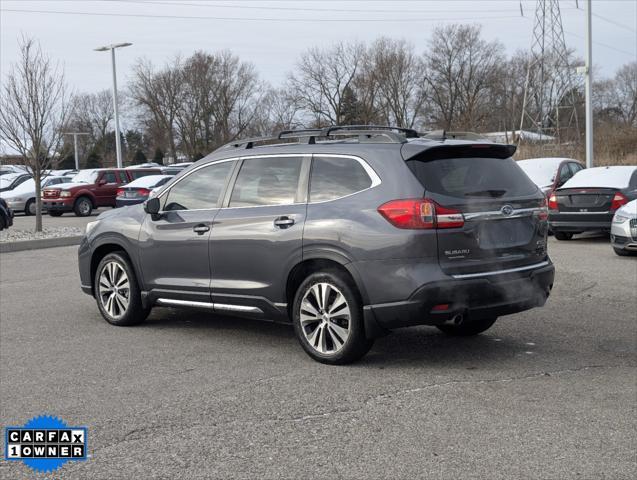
{"x": 201, "y": 229}
{"x": 283, "y": 222}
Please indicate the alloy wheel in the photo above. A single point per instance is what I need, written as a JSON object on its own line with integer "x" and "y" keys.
{"x": 325, "y": 318}
{"x": 84, "y": 207}
{"x": 114, "y": 289}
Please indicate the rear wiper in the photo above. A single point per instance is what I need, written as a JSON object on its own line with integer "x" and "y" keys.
{"x": 486, "y": 193}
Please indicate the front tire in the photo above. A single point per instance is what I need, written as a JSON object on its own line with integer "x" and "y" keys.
{"x": 117, "y": 292}
{"x": 29, "y": 208}
{"x": 83, "y": 207}
{"x": 468, "y": 329}
{"x": 328, "y": 319}
{"x": 563, "y": 235}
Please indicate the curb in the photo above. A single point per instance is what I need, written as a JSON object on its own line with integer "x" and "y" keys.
{"x": 22, "y": 245}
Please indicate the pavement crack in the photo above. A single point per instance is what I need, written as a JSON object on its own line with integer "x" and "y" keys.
{"x": 389, "y": 395}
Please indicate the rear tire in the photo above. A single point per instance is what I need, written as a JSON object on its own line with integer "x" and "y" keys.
{"x": 563, "y": 235}
{"x": 117, "y": 293}
{"x": 623, "y": 253}
{"x": 469, "y": 328}
{"x": 29, "y": 208}
{"x": 56, "y": 214}
{"x": 83, "y": 207}
{"x": 328, "y": 319}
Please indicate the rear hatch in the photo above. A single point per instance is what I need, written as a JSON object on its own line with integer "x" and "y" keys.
{"x": 503, "y": 214}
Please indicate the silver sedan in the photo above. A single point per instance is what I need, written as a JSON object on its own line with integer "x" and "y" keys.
{"x": 623, "y": 230}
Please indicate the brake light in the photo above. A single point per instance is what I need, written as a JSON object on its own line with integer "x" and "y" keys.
{"x": 553, "y": 202}
{"x": 618, "y": 200}
{"x": 420, "y": 214}
{"x": 143, "y": 191}
{"x": 120, "y": 192}
{"x": 543, "y": 212}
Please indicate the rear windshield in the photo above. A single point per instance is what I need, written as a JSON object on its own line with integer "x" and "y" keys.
{"x": 473, "y": 177}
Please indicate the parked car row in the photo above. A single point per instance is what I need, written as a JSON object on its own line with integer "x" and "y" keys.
{"x": 583, "y": 200}
{"x": 79, "y": 191}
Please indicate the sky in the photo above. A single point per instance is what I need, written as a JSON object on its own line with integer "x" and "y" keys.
{"x": 273, "y": 34}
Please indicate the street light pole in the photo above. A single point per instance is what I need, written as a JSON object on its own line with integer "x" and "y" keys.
{"x": 118, "y": 143}
{"x": 589, "y": 86}
{"x": 77, "y": 158}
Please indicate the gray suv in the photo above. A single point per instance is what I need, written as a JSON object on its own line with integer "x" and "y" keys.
{"x": 346, "y": 232}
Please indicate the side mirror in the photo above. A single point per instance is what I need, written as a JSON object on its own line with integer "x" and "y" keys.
{"x": 152, "y": 206}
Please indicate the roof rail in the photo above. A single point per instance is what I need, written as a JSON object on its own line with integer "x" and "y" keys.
{"x": 407, "y": 132}
{"x": 365, "y": 134}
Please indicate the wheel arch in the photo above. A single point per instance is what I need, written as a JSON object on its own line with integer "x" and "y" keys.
{"x": 316, "y": 263}
{"x": 88, "y": 194}
{"x": 105, "y": 247}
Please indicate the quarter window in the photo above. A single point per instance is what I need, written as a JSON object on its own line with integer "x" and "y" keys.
{"x": 335, "y": 177}
{"x": 267, "y": 181}
{"x": 199, "y": 190}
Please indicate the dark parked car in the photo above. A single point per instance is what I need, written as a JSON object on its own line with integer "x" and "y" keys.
{"x": 348, "y": 233}
{"x": 6, "y": 215}
{"x": 588, "y": 201}
{"x": 139, "y": 190}
{"x": 551, "y": 172}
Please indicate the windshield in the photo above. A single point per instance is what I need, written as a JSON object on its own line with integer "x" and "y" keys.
{"x": 85, "y": 176}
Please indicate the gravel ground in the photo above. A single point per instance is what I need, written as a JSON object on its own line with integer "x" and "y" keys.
{"x": 18, "y": 235}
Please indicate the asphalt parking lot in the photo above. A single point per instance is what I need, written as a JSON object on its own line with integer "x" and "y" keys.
{"x": 549, "y": 393}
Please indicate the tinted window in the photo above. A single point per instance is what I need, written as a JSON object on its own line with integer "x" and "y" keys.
{"x": 199, "y": 190}
{"x": 575, "y": 167}
{"x": 334, "y": 177}
{"x": 109, "y": 177}
{"x": 267, "y": 181}
{"x": 473, "y": 177}
{"x": 565, "y": 174}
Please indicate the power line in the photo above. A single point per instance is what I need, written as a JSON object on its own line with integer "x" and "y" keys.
{"x": 632, "y": 54}
{"x": 255, "y": 19}
{"x": 304, "y": 9}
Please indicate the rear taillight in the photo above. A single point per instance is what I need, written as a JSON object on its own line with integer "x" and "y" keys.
{"x": 144, "y": 192}
{"x": 543, "y": 212}
{"x": 120, "y": 192}
{"x": 553, "y": 202}
{"x": 618, "y": 200}
{"x": 420, "y": 214}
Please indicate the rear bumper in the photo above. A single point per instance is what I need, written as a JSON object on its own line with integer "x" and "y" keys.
{"x": 62, "y": 205}
{"x": 580, "y": 222}
{"x": 474, "y": 298}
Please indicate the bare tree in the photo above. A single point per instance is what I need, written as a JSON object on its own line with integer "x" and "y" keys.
{"x": 322, "y": 79}
{"x": 460, "y": 69}
{"x": 400, "y": 78}
{"x": 33, "y": 108}
{"x": 160, "y": 95}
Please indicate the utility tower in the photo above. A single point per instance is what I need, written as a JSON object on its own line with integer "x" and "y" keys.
{"x": 551, "y": 96}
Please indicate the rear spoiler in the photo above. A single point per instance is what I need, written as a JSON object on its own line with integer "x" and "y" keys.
{"x": 416, "y": 151}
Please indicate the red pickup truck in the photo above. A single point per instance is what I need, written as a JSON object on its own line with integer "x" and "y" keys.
{"x": 90, "y": 189}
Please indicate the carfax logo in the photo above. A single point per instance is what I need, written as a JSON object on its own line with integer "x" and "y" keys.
{"x": 45, "y": 443}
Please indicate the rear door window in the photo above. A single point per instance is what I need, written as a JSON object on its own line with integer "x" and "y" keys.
{"x": 109, "y": 177}
{"x": 336, "y": 177}
{"x": 267, "y": 181}
{"x": 473, "y": 177}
